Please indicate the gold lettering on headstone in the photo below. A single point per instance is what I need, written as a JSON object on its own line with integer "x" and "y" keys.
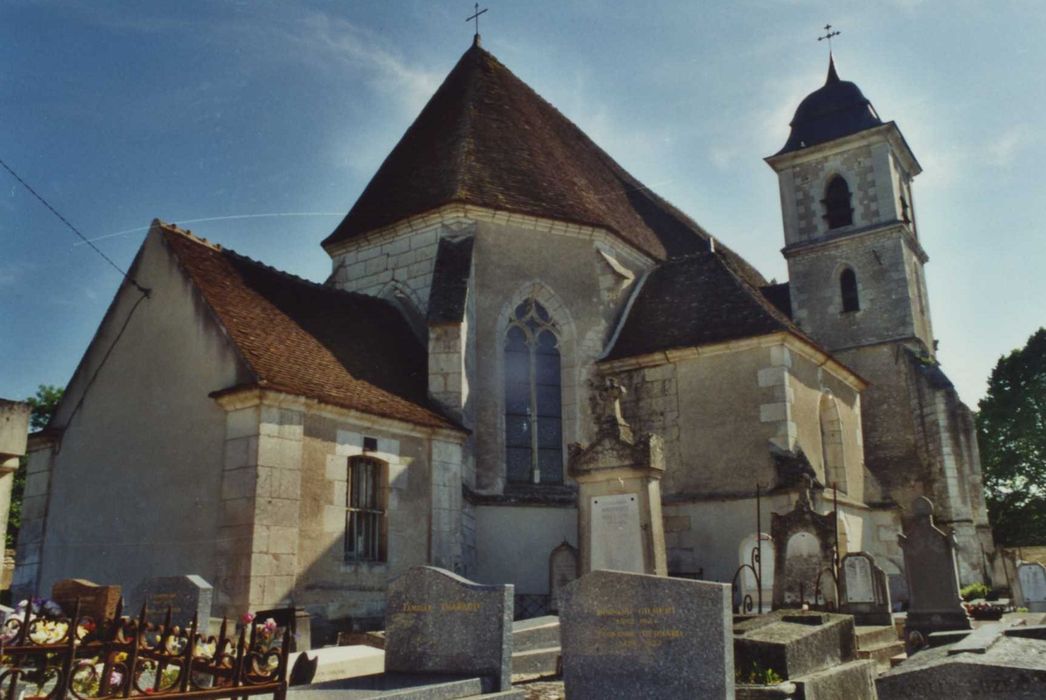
{"x": 630, "y": 629}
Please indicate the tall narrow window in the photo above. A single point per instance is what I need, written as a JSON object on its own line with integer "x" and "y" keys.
{"x": 832, "y": 443}
{"x": 365, "y": 515}
{"x": 533, "y": 399}
{"x": 848, "y": 290}
{"x": 837, "y": 209}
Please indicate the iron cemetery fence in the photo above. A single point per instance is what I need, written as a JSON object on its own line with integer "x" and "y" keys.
{"x": 45, "y": 654}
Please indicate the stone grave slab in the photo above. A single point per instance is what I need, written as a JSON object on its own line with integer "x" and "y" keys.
{"x": 1032, "y": 576}
{"x": 334, "y": 663}
{"x": 992, "y": 663}
{"x": 934, "y": 604}
{"x": 627, "y": 635}
{"x": 865, "y": 590}
{"x": 439, "y": 622}
{"x": 96, "y": 601}
{"x": 186, "y": 596}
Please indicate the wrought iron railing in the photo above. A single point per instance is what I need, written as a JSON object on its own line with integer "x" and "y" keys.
{"x": 48, "y": 655}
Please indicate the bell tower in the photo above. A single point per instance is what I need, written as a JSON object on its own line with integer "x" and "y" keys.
{"x": 854, "y": 260}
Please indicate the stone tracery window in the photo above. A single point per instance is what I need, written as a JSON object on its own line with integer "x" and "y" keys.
{"x": 837, "y": 209}
{"x": 533, "y": 398}
{"x": 832, "y": 456}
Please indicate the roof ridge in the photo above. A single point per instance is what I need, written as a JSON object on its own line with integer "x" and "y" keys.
{"x": 174, "y": 228}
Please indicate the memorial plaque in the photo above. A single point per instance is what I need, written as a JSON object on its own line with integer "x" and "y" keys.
{"x": 617, "y": 541}
{"x": 1032, "y": 576}
{"x": 858, "y": 572}
{"x": 628, "y": 635}
{"x": 184, "y": 595}
{"x": 439, "y": 622}
{"x": 96, "y": 602}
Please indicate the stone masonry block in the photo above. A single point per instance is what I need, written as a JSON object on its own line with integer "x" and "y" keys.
{"x": 338, "y": 494}
{"x": 349, "y": 442}
{"x": 389, "y": 446}
{"x": 772, "y": 412}
{"x": 241, "y": 452}
{"x": 279, "y": 452}
{"x": 277, "y": 511}
{"x": 287, "y": 484}
{"x": 238, "y": 511}
{"x": 242, "y": 422}
{"x": 336, "y": 468}
{"x": 238, "y": 483}
{"x": 333, "y": 519}
{"x": 780, "y": 356}
{"x": 283, "y": 540}
{"x": 773, "y": 376}
{"x": 397, "y": 245}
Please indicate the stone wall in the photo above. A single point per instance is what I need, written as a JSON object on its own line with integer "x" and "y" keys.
{"x": 514, "y": 542}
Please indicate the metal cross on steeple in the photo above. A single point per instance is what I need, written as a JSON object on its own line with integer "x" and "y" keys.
{"x": 828, "y": 35}
{"x": 475, "y": 16}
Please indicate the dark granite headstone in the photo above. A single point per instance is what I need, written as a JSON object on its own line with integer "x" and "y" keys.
{"x": 988, "y": 664}
{"x": 804, "y": 553}
{"x": 630, "y": 635}
{"x": 865, "y": 590}
{"x": 933, "y": 582}
{"x": 439, "y": 622}
{"x": 185, "y": 596}
{"x": 96, "y": 602}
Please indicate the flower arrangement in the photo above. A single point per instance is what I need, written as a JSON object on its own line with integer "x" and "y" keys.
{"x": 983, "y": 611}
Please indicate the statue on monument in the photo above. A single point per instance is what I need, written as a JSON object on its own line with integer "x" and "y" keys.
{"x": 605, "y": 400}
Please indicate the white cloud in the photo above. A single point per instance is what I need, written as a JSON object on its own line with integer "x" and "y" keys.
{"x": 1004, "y": 148}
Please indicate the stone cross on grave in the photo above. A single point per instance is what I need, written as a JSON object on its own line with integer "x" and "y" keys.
{"x": 606, "y": 409}
{"x": 804, "y": 500}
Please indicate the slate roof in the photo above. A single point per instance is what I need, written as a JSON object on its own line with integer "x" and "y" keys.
{"x": 836, "y": 109}
{"x": 486, "y": 138}
{"x": 450, "y": 280}
{"x": 295, "y": 336}
{"x": 696, "y": 300}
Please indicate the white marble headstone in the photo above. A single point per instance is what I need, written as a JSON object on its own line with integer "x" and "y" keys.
{"x": 859, "y": 585}
{"x": 617, "y": 542}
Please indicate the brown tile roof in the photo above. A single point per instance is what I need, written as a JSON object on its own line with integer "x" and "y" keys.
{"x": 344, "y": 349}
{"x": 697, "y": 300}
{"x": 486, "y": 138}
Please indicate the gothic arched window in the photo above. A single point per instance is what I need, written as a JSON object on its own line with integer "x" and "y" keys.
{"x": 837, "y": 209}
{"x": 533, "y": 399}
{"x": 832, "y": 443}
{"x": 848, "y": 290}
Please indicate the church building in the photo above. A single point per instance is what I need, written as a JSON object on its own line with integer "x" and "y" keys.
{"x": 302, "y": 443}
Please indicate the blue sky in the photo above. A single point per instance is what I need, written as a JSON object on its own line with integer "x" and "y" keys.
{"x": 269, "y": 119}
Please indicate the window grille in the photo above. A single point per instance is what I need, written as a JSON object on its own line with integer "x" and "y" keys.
{"x": 365, "y": 514}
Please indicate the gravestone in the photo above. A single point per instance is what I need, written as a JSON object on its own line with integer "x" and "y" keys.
{"x": 439, "y": 622}
{"x": 804, "y": 554}
{"x": 934, "y": 604}
{"x": 186, "y": 596}
{"x": 620, "y": 526}
{"x": 865, "y": 590}
{"x": 96, "y": 602}
{"x": 627, "y": 635}
{"x": 1032, "y": 579}
{"x": 990, "y": 663}
{"x": 562, "y": 569}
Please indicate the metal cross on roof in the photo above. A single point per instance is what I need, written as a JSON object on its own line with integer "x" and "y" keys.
{"x": 828, "y": 35}
{"x": 476, "y": 17}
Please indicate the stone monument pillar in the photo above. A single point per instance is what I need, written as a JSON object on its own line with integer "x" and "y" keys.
{"x": 14, "y": 431}
{"x": 619, "y": 493}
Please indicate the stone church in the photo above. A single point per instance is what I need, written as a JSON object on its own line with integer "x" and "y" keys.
{"x": 295, "y": 442}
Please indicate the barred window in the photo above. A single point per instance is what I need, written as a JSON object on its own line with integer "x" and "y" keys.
{"x": 533, "y": 397}
{"x": 837, "y": 209}
{"x": 365, "y": 515}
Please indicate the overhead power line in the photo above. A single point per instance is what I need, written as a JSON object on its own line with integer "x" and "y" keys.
{"x": 72, "y": 228}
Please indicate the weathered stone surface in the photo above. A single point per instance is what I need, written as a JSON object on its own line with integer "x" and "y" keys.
{"x": 438, "y": 622}
{"x": 1032, "y": 577}
{"x": 186, "y": 596}
{"x": 638, "y": 636}
{"x": 865, "y": 590}
{"x": 1008, "y": 667}
{"x": 96, "y": 602}
{"x": 933, "y": 582}
{"x": 793, "y": 643}
{"x": 563, "y": 567}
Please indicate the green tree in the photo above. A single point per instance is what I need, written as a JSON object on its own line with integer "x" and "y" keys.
{"x": 1011, "y": 431}
{"x": 42, "y": 406}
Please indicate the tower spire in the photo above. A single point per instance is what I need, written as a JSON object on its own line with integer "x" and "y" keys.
{"x": 833, "y": 76}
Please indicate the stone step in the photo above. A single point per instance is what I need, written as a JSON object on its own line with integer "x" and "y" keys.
{"x": 896, "y": 661}
{"x": 870, "y": 636}
{"x": 390, "y": 687}
{"x": 514, "y": 694}
{"x": 535, "y": 633}
{"x": 882, "y": 654}
{"x": 853, "y": 680}
{"x": 536, "y": 662}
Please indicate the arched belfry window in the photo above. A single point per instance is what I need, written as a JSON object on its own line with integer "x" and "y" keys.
{"x": 533, "y": 398}
{"x": 837, "y": 209}
{"x": 832, "y": 443}
{"x": 848, "y": 290}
